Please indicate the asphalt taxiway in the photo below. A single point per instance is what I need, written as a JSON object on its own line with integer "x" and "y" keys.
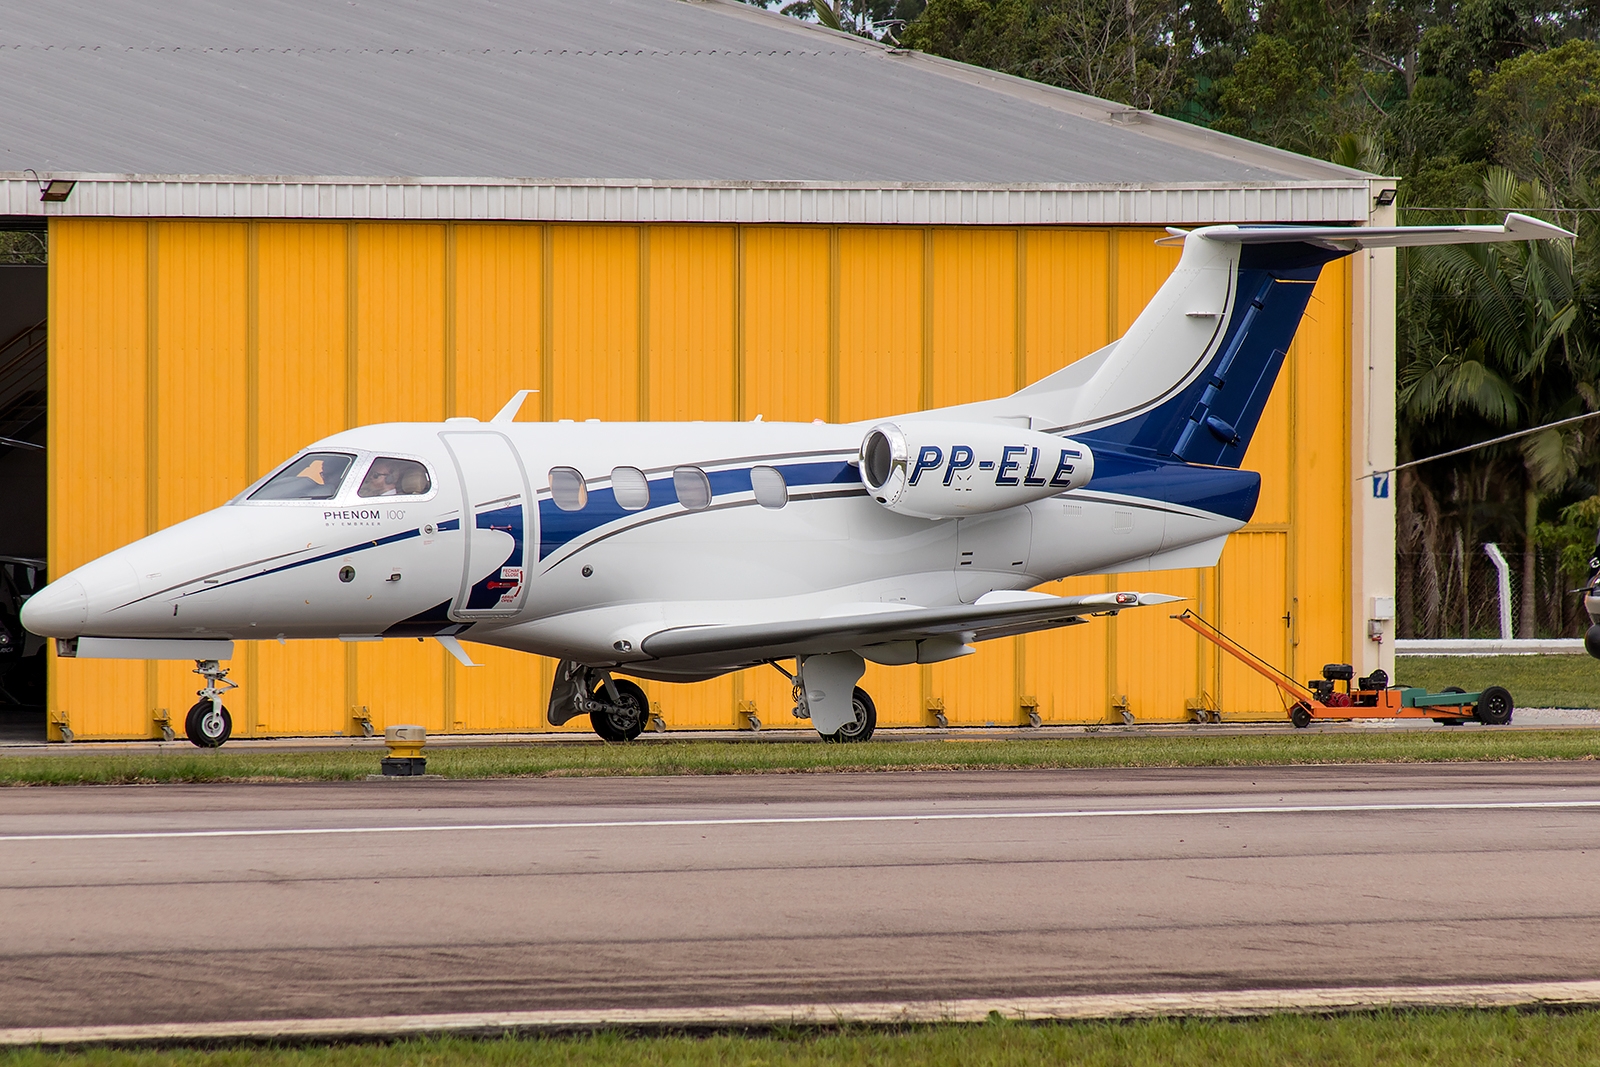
{"x": 203, "y": 904}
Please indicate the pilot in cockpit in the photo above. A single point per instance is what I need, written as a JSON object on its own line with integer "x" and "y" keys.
{"x": 382, "y": 479}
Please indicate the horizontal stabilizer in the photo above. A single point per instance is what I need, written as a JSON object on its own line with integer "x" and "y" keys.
{"x": 1349, "y": 238}
{"x": 1002, "y": 616}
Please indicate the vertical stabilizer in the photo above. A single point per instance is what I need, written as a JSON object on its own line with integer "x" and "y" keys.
{"x": 1192, "y": 375}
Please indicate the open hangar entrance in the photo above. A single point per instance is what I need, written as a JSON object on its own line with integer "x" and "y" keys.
{"x": 24, "y": 349}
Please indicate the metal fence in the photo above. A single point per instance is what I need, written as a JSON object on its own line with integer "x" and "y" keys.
{"x": 1460, "y": 593}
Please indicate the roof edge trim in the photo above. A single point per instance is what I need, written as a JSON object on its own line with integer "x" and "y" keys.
{"x": 836, "y": 203}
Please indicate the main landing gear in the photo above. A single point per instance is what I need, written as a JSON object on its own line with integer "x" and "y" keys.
{"x": 208, "y": 723}
{"x": 859, "y": 728}
{"x": 819, "y": 684}
{"x": 617, "y": 709}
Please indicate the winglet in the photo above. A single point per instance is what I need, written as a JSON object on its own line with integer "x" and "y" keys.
{"x": 452, "y": 646}
{"x": 514, "y": 405}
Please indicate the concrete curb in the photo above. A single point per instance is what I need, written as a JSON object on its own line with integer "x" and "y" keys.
{"x": 1228, "y": 1004}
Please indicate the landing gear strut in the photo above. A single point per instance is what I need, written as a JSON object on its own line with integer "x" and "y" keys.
{"x": 817, "y": 678}
{"x": 208, "y": 723}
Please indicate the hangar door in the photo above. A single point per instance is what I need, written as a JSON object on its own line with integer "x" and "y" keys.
{"x": 23, "y": 372}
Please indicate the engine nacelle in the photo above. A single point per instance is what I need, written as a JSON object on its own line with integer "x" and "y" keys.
{"x": 943, "y": 470}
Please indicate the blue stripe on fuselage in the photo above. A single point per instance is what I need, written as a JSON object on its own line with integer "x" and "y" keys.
{"x": 558, "y": 528}
{"x": 1218, "y": 490}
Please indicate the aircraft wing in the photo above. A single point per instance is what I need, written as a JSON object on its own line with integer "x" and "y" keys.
{"x": 1348, "y": 238}
{"x": 1000, "y": 614}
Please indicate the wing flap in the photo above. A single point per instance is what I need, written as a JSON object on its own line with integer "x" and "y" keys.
{"x": 999, "y": 617}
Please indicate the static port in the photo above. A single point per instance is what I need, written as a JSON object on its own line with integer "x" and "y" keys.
{"x": 347, "y": 574}
{"x": 587, "y": 570}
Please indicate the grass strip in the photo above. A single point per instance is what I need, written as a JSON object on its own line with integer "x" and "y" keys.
{"x": 1534, "y": 681}
{"x": 1392, "y": 1039}
{"x": 724, "y": 757}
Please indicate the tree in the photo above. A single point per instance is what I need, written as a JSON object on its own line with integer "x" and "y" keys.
{"x": 1494, "y": 335}
{"x": 1147, "y": 53}
{"x": 1543, "y": 109}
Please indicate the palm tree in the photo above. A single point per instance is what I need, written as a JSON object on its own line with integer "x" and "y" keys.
{"x": 1493, "y": 331}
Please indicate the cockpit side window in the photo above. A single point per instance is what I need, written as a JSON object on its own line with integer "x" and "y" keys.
{"x": 314, "y": 476}
{"x": 395, "y": 477}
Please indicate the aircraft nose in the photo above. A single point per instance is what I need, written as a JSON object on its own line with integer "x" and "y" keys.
{"x": 58, "y": 610}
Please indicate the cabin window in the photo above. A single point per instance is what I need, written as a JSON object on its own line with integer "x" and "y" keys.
{"x": 395, "y": 477}
{"x": 694, "y": 488}
{"x": 770, "y": 489}
{"x": 568, "y": 489}
{"x": 314, "y": 476}
{"x": 631, "y": 488}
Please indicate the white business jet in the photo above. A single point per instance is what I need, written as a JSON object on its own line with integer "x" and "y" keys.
{"x": 682, "y": 551}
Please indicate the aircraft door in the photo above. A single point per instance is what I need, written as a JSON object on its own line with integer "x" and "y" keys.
{"x": 495, "y": 521}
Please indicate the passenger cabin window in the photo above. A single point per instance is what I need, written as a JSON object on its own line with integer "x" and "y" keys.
{"x": 568, "y": 489}
{"x": 694, "y": 488}
{"x": 631, "y": 488}
{"x": 395, "y": 477}
{"x": 769, "y": 487}
{"x": 315, "y": 476}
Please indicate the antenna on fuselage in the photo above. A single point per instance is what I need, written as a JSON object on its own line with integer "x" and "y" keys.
{"x": 514, "y": 405}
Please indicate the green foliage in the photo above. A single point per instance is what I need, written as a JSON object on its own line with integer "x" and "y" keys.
{"x": 1543, "y": 110}
{"x": 1501, "y": 1038}
{"x": 865, "y": 18}
{"x": 1573, "y": 537}
{"x": 1137, "y": 51}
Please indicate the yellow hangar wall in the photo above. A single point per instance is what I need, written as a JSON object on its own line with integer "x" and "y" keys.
{"x": 188, "y": 358}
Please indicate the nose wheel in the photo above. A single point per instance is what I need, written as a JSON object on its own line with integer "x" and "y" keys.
{"x": 208, "y": 723}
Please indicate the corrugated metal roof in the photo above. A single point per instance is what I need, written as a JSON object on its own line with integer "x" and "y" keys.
{"x": 662, "y": 91}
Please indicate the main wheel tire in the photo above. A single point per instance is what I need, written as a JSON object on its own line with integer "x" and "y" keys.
{"x": 1494, "y": 706}
{"x": 1300, "y": 716}
{"x": 624, "y": 722}
{"x": 206, "y": 727}
{"x": 861, "y": 727}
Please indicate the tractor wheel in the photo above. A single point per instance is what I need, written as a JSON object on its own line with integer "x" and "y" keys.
{"x": 1494, "y": 706}
{"x": 1300, "y": 715}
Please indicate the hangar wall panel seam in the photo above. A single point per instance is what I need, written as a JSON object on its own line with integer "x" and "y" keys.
{"x": 330, "y": 322}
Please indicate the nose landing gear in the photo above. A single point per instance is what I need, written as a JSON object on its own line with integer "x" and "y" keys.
{"x": 208, "y": 723}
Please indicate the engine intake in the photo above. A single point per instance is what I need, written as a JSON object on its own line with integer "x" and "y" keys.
{"x": 942, "y": 470}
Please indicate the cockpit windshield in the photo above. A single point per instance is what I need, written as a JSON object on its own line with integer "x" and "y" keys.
{"x": 314, "y": 476}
